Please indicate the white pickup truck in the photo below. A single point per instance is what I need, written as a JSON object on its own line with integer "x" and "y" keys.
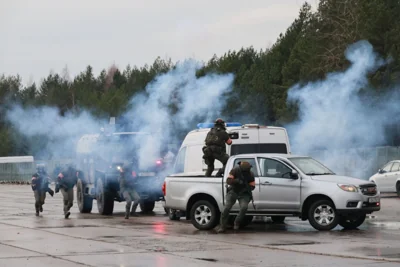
{"x": 286, "y": 185}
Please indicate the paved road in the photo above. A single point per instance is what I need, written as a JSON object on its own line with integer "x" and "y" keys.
{"x": 154, "y": 240}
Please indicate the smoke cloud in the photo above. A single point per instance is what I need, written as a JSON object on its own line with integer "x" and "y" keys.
{"x": 172, "y": 102}
{"x": 333, "y": 115}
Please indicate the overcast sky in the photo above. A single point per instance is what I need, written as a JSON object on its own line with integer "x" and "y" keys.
{"x": 38, "y": 36}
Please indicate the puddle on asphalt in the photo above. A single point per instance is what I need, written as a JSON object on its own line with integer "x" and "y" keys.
{"x": 292, "y": 243}
{"x": 386, "y": 225}
{"x": 207, "y": 259}
{"x": 387, "y": 252}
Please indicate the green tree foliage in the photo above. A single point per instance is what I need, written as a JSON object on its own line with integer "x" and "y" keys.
{"x": 313, "y": 45}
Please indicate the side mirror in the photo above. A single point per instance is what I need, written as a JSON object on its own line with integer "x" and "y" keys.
{"x": 381, "y": 171}
{"x": 294, "y": 174}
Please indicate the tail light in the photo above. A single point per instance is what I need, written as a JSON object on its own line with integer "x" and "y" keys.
{"x": 159, "y": 162}
{"x": 164, "y": 188}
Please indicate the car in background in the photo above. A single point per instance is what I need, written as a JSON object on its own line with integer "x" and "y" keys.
{"x": 387, "y": 179}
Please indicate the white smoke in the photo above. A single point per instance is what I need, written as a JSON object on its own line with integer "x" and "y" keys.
{"x": 333, "y": 115}
{"x": 196, "y": 99}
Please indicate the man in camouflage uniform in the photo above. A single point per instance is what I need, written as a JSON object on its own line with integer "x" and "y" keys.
{"x": 127, "y": 188}
{"x": 66, "y": 181}
{"x": 40, "y": 186}
{"x": 215, "y": 148}
{"x": 241, "y": 184}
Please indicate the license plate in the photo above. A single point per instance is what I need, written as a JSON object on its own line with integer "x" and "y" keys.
{"x": 147, "y": 173}
{"x": 373, "y": 200}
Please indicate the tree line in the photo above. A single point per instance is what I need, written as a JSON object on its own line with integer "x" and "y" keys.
{"x": 312, "y": 46}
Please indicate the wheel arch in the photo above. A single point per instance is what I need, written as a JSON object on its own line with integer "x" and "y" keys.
{"x": 199, "y": 196}
{"x": 311, "y": 199}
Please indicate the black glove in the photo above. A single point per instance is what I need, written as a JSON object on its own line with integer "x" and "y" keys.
{"x": 51, "y": 192}
{"x": 252, "y": 187}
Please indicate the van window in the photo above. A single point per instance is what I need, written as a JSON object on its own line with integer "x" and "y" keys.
{"x": 252, "y": 161}
{"x": 258, "y": 148}
{"x": 180, "y": 161}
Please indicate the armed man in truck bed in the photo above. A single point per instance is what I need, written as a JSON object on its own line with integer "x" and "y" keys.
{"x": 241, "y": 184}
{"x": 215, "y": 148}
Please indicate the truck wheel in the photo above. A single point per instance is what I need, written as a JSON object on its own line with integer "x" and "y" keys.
{"x": 278, "y": 219}
{"x": 204, "y": 215}
{"x": 85, "y": 203}
{"x": 172, "y": 215}
{"x": 398, "y": 188}
{"x": 147, "y": 206}
{"x": 105, "y": 200}
{"x": 352, "y": 222}
{"x": 322, "y": 215}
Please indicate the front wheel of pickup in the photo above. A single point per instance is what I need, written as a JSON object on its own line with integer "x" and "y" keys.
{"x": 352, "y": 222}
{"x": 204, "y": 215}
{"x": 322, "y": 215}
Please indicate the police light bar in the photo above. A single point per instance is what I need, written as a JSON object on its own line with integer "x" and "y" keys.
{"x": 210, "y": 124}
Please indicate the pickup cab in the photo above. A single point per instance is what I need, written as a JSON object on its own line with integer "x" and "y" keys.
{"x": 286, "y": 185}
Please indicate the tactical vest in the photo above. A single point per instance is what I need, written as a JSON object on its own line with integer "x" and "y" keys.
{"x": 213, "y": 138}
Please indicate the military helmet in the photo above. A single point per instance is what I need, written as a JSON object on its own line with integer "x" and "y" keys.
{"x": 41, "y": 167}
{"x": 219, "y": 122}
{"x": 245, "y": 166}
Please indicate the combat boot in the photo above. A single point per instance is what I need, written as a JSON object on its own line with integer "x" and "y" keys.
{"x": 221, "y": 230}
{"x": 37, "y": 213}
{"x": 127, "y": 213}
{"x": 41, "y": 209}
{"x": 67, "y": 215}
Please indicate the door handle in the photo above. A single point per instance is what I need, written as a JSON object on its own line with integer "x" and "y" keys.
{"x": 267, "y": 183}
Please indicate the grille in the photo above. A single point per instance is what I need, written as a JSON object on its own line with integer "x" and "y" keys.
{"x": 368, "y": 189}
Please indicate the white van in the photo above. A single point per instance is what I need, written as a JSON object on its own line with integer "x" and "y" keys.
{"x": 247, "y": 138}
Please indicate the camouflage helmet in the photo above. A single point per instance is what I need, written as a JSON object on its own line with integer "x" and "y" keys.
{"x": 245, "y": 165}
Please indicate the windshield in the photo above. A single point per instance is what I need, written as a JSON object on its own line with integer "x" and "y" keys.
{"x": 310, "y": 166}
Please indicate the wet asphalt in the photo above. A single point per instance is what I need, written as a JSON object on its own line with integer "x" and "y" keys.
{"x": 154, "y": 240}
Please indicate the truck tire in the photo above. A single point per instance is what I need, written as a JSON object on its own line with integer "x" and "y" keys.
{"x": 329, "y": 218}
{"x": 173, "y": 215}
{"x": 85, "y": 203}
{"x": 147, "y": 206}
{"x": 204, "y": 215}
{"x": 105, "y": 200}
{"x": 353, "y": 222}
{"x": 278, "y": 219}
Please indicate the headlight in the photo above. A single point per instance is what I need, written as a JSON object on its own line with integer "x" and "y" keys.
{"x": 119, "y": 167}
{"x": 348, "y": 188}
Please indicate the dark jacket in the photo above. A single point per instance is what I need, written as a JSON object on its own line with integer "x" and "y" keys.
{"x": 67, "y": 179}
{"x": 127, "y": 178}
{"x": 40, "y": 182}
{"x": 238, "y": 175}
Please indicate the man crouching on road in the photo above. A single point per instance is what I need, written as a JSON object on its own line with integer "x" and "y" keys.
{"x": 241, "y": 184}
